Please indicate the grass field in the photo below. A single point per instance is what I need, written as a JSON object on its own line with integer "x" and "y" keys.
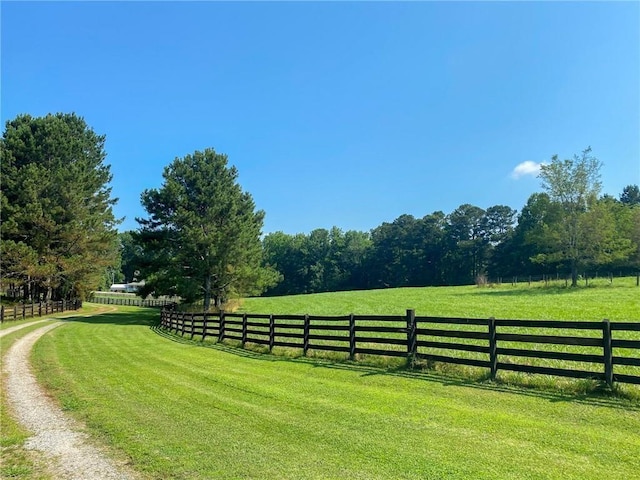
{"x": 619, "y": 301}
{"x": 183, "y": 410}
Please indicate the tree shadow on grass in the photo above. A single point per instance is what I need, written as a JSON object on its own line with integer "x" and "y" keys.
{"x": 600, "y": 397}
{"x": 142, "y": 316}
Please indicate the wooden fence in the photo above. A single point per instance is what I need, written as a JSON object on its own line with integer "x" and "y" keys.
{"x": 20, "y": 312}
{"x": 490, "y": 343}
{"x": 131, "y": 302}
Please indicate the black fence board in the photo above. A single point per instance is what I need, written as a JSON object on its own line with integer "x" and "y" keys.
{"x": 574, "y": 357}
{"x": 452, "y": 333}
{"x": 453, "y": 321}
{"x": 560, "y": 372}
{"x": 454, "y": 346}
{"x": 553, "y": 339}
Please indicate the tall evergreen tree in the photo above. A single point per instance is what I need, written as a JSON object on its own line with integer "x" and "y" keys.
{"x": 202, "y": 237}
{"x": 58, "y": 227}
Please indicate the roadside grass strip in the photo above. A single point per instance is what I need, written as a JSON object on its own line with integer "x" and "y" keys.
{"x": 181, "y": 409}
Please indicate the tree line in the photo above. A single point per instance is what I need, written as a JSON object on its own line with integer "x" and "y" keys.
{"x": 202, "y": 236}
{"x": 466, "y": 246}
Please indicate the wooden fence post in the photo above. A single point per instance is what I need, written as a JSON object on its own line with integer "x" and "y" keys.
{"x": 24, "y": 312}
{"x": 493, "y": 348}
{"x": 244, "y": 329}
{"x": 1, "y": 313}
{"x": 352, "y": 337}
{"x": 305, "y": 340}
{"x": 204, "y": 326}
{"x": 221, "y": 331}
{"x": 193, "y": 325}
{"x": 272, "y": 331}
{"x": 608, "y": 352}
{"x": 412, "y": 347}
{"x": 15, "y": 312}
{"x": 40, "y": 309}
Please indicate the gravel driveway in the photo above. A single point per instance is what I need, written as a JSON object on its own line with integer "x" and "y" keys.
{"x": 68, "y": 451}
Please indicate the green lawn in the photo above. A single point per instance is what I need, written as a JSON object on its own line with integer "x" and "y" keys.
{"x": 182, "y": 410}
{"x": 619, "y": 301}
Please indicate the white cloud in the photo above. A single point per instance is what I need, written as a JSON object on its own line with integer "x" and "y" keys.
{"x": 526, "y": 168}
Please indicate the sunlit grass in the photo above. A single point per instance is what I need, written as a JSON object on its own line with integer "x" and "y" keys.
{"x": 182, "y": 410}
{"x": 619, "y": 301}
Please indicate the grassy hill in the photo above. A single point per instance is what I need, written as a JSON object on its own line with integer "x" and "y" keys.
{"x": 618, "y": 301}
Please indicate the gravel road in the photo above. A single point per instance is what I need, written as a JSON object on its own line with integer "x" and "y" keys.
{"x": 69, "y": 453}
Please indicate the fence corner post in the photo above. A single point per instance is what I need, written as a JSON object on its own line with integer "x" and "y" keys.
{"x": 412, "y": 347}
{"x": 493, "y": 348}
{"x": 607, "y": 345}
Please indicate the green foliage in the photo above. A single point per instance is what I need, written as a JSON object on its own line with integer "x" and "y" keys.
{"x": 583, "y": 234}
{"x": 202, "y": 237}
{"x": 630, "y": 195}
{"x": 58, "y": 227}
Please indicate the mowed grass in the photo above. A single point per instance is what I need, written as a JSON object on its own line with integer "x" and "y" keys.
{"x": 185, "y": 410}
{"x": 619, "y": 301}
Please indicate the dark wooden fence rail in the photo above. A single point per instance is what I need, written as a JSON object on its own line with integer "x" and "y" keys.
{"x": 130, "y": 301}
{"x": 20, "y": 312}
{"x": 488, "y": 343}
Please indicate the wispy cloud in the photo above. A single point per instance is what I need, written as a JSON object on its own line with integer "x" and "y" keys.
{"x": 526, "y": 168}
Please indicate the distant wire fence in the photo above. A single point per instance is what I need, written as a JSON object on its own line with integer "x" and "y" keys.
{"x": 577, "y": 349}
{"x": 131, "y": 301}
{"x": 585, "y": 278}
{"x": 22, "y": 311}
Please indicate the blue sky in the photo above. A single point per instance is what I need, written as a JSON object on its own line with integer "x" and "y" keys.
{"x": 345, "y": 114}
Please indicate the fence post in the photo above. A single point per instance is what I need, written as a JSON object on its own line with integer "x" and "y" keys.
{"x": 221, "y": 331}
{"x": 193, "y": 325}
{"x": 1, "y": 313}
{"x": 608, "y": 352}
{"x": 493, "y": 348}
{"x": 272, "y": 331}
{"x": 305, "y": 340}
{"x": 15, "y": 312}
{"x": 412, "y": 347}
{"x": 352, "y": 337}
{"x": 182, "y": 324}
{"x": 204, "y": 326}
{"x": 24, "y": 313}
{"x": 244, "y": 329}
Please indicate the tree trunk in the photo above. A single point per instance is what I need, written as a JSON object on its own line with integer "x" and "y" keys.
{"x": 574, "y": 273}
{"x": 207, "y": 293}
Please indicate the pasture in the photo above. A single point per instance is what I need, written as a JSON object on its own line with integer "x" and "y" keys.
{"x": 182, "y": 409}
